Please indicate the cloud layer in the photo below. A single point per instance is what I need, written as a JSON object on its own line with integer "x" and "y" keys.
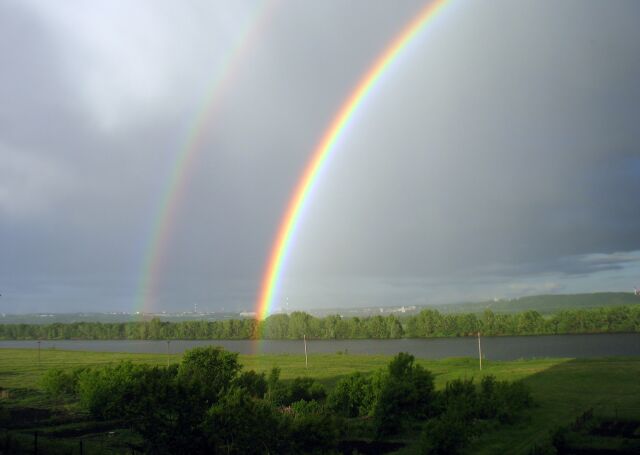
{"x": 499, "y": 157}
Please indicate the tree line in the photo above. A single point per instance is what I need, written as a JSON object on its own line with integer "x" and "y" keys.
{"x": 207, "y": 404}
{"x": 426, "y": 324}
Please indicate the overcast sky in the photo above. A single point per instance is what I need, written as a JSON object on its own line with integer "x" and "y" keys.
{"x": 499, "y": 157}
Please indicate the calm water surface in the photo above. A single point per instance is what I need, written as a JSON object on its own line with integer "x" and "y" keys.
{"x": 496, "y": 348}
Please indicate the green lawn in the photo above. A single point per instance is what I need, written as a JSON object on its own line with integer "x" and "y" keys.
{"x": 562, "y": 388}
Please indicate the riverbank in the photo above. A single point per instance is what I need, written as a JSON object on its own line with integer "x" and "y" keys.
{"x": 428, "y": 323}
{"x": 493, "y": 348}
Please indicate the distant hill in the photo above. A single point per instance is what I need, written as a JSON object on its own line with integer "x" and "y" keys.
{"x": 67, "y": 318}
{"x": 544, "y": 304}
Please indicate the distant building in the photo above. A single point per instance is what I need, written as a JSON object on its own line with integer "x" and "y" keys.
{"x": 248, "y": 314}
{"x": 636, "y": 291}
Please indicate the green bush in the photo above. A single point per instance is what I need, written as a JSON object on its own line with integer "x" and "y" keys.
{"x": 446, "y": 434}
{"x": 502, "y": 400}
{"x": 58, "y": 382}
{"x": 252, "y": 382}
{"x": 314, "y": 434}
{"x": 239, "y": 424}
{"x": 459, "y": 396}
{"x": 208, "y": 372}
{"x": 304, "y": 408}
{"x": 308, "y": 389}
{"x": 106, "y": 392}
{"x": 352, "y": 396}
{"x": 404, "y": 390}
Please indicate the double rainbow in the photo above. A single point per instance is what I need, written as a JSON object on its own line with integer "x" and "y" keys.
{"x": 326, "y": 146}
{"x": 174, "y": 191}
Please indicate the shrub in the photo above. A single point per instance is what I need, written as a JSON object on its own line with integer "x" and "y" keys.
{"x": 314, "y": 434}
{"x": 502, "y": 399}
{"x": 240, "y": 424}
{"x": 208, "y": 372}
{"x": 308, "y": 389}
{"x": 403, "y": 390}
{"x": 106, "y": 392}
{"x": 304, "y": 408}
{"x": 58, "y": 382}
{"x": 252, "y": 382}
{"x": 461, "y": 397}
{"x": 445, "y": 435}
{"x": 352, "y": 396}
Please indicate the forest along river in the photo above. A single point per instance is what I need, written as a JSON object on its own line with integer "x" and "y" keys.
{"x": 493, "y": 348}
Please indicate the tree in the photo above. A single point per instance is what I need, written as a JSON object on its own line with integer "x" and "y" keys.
{"x": 403, "y": 390}
{"x": 255, "y": 384}
{"x": 209, "y": 371}
{"x": 352, "y": 396}
{"x": 239, "y": 424}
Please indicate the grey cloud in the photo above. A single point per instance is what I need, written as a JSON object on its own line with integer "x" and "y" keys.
{"x": 499, "y": 155}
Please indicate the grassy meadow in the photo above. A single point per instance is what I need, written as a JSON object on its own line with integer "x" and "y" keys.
{"x": 562, "y": 388}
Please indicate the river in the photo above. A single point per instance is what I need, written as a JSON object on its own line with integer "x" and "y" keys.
{"x": 494, "y": 348}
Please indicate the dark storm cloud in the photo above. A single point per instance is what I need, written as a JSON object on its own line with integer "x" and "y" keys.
{"x": 515, "y": 161}
{"x": 499, "y": 156}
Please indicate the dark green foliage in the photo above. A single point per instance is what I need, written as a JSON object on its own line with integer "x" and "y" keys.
{"x": 419, "y": 396}
{"x": 208, "y": 371}
{"x": 428, "y": 323}
{"x": 545, "y": 448}
{"x": 240, "y": 424}
{"x": 304, "y": 407}
{"x": 255, "y": 384}
{"x": 389, "y": 410}
{"x": 285, "y": 393}
{"x": 502, "y": 400}
{"x": 58, "y": 382}
{"x": 103, "y": 392}
{"x": 462, "y": 408}
{"x": 273, "y": 381}
{"x": 404, "y": 390}
{"x": 459, "y": 396}
{"x": 164, "y": 411}
{"x": 314, "y": 433}
{"x": 167, "y": 405}
{"x": 206, "y": 405}
{"x": 352, "y": 396}
{"x": 446, "y": 434}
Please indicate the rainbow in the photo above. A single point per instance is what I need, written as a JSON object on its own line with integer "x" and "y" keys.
{"x": 326, "y": 146}
{"x": 195, "y": 137}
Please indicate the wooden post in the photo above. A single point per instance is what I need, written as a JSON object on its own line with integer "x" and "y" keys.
{"x": 81, "y": 448}
{"x": 35, "y": 442}
{"x": 39, "y": 352}
{"x": 479, "y": 351}
{"x": 306, "y": 361}
{"x": 168, "y": 351}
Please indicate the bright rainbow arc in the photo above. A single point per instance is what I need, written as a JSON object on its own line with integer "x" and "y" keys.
{"x": 324, "y": 148}
{"x": 168, "y": 206}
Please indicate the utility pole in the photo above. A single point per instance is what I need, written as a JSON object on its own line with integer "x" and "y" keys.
{"x": 306, "y": 361}
{"x": 479, "y": 351}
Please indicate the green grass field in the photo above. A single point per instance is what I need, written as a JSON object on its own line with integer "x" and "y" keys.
{"x": 562, "y": 388}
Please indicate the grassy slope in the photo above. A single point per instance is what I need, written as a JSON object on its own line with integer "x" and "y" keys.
{"x": 563, "y": 388}
{"x": 545, "y": 304}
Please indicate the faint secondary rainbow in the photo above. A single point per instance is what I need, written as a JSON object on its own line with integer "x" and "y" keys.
{"x": 325, "y": 147}
{"x": 176, "y": 186}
